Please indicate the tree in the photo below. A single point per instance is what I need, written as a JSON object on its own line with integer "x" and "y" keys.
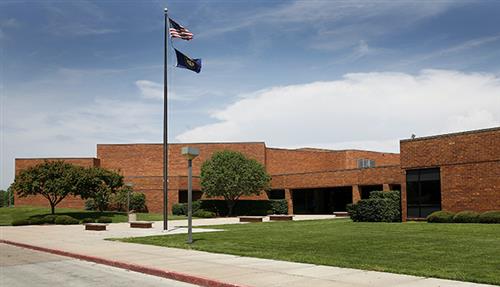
{"x": 4, "y": 198}
{"x": 230, "y": 174}
{"x": 100, "y": 184}
{"x": 53, "y": 180}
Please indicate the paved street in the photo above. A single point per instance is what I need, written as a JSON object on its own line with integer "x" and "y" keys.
{"x": 20, "y": 267}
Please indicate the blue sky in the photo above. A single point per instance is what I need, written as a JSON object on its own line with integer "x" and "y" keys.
{"x": 330, "y": 74}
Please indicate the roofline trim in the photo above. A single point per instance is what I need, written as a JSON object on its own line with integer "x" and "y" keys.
{"x": 220, "y": 143}
{"x": 451, "y": 134}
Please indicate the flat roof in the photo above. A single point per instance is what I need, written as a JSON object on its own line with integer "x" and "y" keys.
{"x": 183, "y": 143}
{"x": 61, "y": 157}
{"x": 451, "y": 134}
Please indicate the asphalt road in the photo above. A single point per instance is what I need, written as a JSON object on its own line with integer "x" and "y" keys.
{"x": 20, "y": 267}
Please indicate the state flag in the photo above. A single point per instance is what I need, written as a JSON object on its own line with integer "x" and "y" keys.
{"x": 185, "y": 62}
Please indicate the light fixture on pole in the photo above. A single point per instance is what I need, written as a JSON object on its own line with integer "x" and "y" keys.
{"x": 190, "y": 153}
{"x": 129, "y": 186}
{"x": 130, "y": 217}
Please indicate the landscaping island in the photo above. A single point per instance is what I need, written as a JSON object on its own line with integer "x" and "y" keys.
{"x": 466, "y": 252}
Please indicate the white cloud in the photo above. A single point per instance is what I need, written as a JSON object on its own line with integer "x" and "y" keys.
{"x": 150, "y": 90}
{"x": 153, "y": 90}
{"x": 368, "y": 110}
{"x": 34, "y": 130}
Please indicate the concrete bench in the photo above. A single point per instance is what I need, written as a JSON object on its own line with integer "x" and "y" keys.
{"x": 251, "y": 218}
{"x": 96, "y": 226}
{"x": 280, "y": 217}
{"x": 141, "y": 224}
{"x": 341, "y": 213}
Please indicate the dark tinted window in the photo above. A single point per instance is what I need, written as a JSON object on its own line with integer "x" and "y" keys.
{"x": 276, "y": 194}
{"x": 183, "y": 195}
{"x": 423, "y": 192}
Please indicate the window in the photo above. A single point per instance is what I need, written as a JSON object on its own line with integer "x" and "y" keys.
{"x": 276, "y": 194}
{"x": 423, "y": 192}
{"x": 366, "y": 163}
{"x": 183, "y": 195}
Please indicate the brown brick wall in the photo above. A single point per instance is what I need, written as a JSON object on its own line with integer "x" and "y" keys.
{"x": 366, "y": 176}
{"x": 469, "y": 167}
{"x": 475, "y": 146}
{"x": 69, "y": 201}
{"x": 286, "y": 161}
{"x": 381, "y": 158}
{"x": 146, "y": 159}
{"x": 141, "y": 164}
{"x": 474, "y": 186}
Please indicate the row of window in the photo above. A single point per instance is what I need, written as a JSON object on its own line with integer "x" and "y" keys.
{"x": 423, "y": 192}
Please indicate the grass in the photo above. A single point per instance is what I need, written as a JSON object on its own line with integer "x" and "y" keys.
{"x": 466, "y": 252}
{"x": 9, "y": 214}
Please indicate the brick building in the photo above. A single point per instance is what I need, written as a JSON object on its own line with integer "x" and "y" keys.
{"x": 454, "y": 172}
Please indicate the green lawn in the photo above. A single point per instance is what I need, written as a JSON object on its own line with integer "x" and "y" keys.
{"x": 9, "y": 214}
{"x": 466, "y": 252}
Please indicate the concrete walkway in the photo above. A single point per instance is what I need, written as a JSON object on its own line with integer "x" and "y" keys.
{"x": 189, "y": 265}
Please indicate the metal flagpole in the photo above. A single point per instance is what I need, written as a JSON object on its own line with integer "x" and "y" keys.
{"x": 165, "y": 126}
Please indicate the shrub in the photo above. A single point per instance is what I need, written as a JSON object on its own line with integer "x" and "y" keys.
{"x": 87, "y": 220}
{"x": 36, "y": 220}
{"x": 179, "y": 209}
{"x": 182, "y": 208}
{"x": 279, "y": 206}
{"x": 242, "y": 207}
{"x": 379, "y": 207}
{"x": 104, "y": 219}
{"x": 204, "y": 214}
{"x": 65, "y": 220}
{"x": 20, "y": 222}
{"x": 490, "y": 217}
{"x": 137, "y": 201}
{"x": 466, "y": 217}
{"x": 49, "y": 219}
{"x": 440, "y": 217}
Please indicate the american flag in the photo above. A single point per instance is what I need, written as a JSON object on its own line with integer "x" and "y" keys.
{"x": 177, "y": 31}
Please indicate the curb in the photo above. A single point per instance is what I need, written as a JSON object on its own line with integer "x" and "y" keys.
{"x": 197, "y": 280}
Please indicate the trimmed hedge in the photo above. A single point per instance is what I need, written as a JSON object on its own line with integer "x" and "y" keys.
{"x": 178, "y": 209}
{"x": 204, "y": 214}
{"x": 466, "y": 217}
{"x": 37, "y": 220}
{"x": 50, "y": 219}
{"x": 490, "y": 217}
{"x": 247, "y": 207}
{"x": 242, "y": 207}
{"x": 379, "y": 207}
{"x": 279, "y": 206}
{"x": 65, "y": 220}
{"x": 441, "y": 217}
{"x": 182, "y": 208}
{"x": 20, "y": 222}
{"x": 104, "y": 219}
{"x": 87, "y": 220}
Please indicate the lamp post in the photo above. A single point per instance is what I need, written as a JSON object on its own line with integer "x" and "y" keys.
{"x": 129, "y": 186}
{"x": 190, "y": 153}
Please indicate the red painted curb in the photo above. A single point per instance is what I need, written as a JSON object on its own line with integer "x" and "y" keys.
{"x": 197, "y": 280}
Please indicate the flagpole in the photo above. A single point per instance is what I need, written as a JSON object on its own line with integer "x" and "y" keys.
{"x": 165, "y": 126}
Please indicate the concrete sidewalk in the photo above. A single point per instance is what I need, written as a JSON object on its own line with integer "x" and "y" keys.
{"x": 200, "y": 267}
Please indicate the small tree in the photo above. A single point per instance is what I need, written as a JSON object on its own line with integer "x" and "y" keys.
{"x": 100, "y": 185}
{"x": 230, "y": 174}
{"x": 53, "y": 180}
